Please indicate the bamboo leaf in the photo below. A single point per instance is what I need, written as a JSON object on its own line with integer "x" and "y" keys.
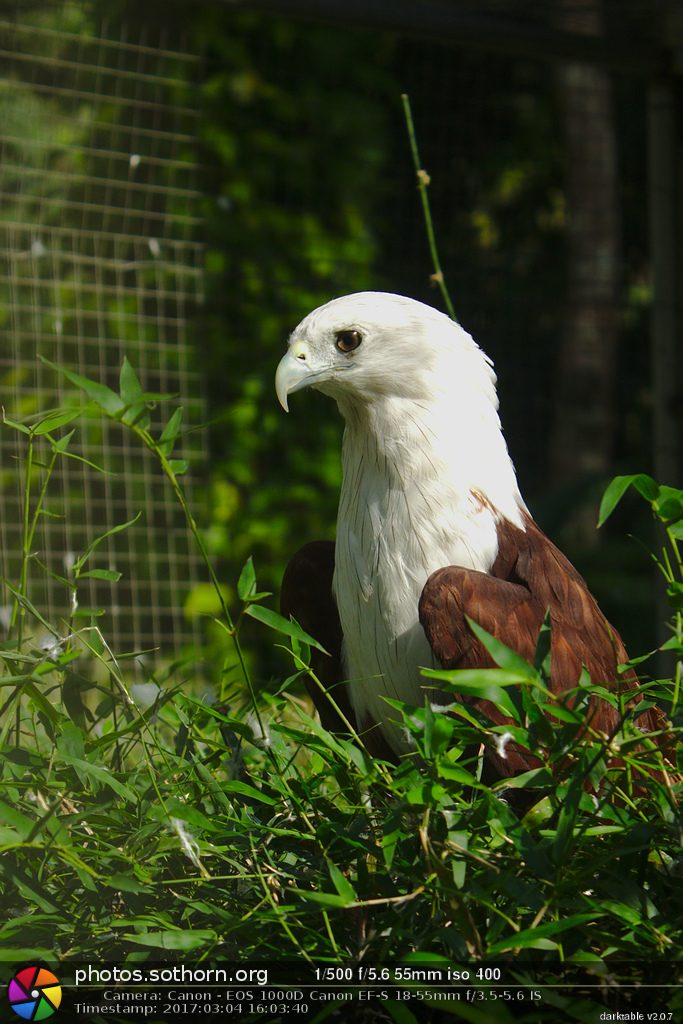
{"x": 98, "y": 540}
{"x": 130, "y": 387}
{"x": 234, "y": 786}
{"x": 503, "y": 655}
{"x": 246, "y": 584}
{"x": 616, "y": 490}
{"x": 134, "y": 399}
{"x": 62, "y": 443}
{"x": 98, "y": 775}
{"x": 56, "y": 421}
{"x": 538, "y": 937}
{"x": 184, "y": 941}
{"x": 169, "y": 436}
{"x": 101, "y": 574}
{"x": 15, "y": 425}
{"x": 282, "y": 625}
{"x": 341, "y": 882}
{"x": 100, "y": 394}
{"x": 327, "y": 899}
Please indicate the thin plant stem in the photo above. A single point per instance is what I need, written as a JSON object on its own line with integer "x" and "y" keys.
{"x": 41, "y": 498}
{"x": 150, "y": 443}
{"x": 29, "y": 527}
{"x": 18, "y": 610}
{"x": 277, "y": 910}
{"x": 423, "y": 181}
{"x": 678, "y": 618}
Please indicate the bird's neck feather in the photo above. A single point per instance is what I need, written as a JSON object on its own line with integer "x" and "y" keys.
{"x": 450, "y": 448}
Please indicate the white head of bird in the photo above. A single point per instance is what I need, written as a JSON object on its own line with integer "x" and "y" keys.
{"x": 409, "y": 377}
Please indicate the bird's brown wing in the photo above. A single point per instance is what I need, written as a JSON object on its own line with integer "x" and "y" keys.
{"x": 530, "y": 577}
{"x": 507, "y": 611}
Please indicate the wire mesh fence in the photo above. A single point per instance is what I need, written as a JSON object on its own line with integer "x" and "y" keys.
{"x": 312, "y": 194}
{"x": 100, "y": 257}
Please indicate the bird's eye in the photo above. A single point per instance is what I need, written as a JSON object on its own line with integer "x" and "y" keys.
{"x": 347, "y": 341}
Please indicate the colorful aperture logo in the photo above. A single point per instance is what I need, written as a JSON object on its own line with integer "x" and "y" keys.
{"x": 34, "y": 993}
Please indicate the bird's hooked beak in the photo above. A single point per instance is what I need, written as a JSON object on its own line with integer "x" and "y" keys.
{"x": 295, "y": 372}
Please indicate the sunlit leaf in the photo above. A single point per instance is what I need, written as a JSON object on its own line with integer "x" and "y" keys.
{"x": 644, "y": 484}
{"x": 169, "y": 435}
{"x": 281, "y": 625}
{"x": 108, "y": 400}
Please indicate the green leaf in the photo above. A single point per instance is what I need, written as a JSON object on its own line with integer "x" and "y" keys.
{"x": 34, "y": 694}
{"x": 169, "y": 436}
{"x": 178, "y": 466}
{"x": 669, "y": 505}
{"x": 328, "y": 899}
{"x": 389, "y": 843}
{"x": 98, "y": 540}
{"x": 26, "y": 604}
{"x": 615, "y": 491}
{"x": 55, "y": 421}
{"x": 79, "y": 458}
{"x": 71, "y": 740}
{"x": 137, "y": 416}
{"x": 502, "y": 655}
{"x": 26, "y": 954}
{"x": 27, "y": 887}
{"x": 537, "y": 938}
{"x": 328, "y": 740}
{"x": 459, "y": 871}
{"x": 282, "y": 625}
{"x": 72, "y": 698}
{"x": 21, "y": 427}
{"x": 454, "y": 773}
{"x": 632, "y": 917}
{"x": 438, "y": 731}
{"x": 13, "y": 816}
{"x": 134, "y": 399}
{"x": 539, "y": 813}
{"x": 125, "y": 883}
{"x": 477, "y": 678}
{"x": 341, "y": 882}
{"x": 100, "y": 776}
{"x": 100, "y": 394}
{"x": 569, "y": 809}
{"x": 473, "y": 686}
{"x": 233, "y": 786}
{"x": 537, "y": 778}
{"x": 62, "y": 443}
{"x": 178, "y": 940}
{"x": 188, "y": 815}
{"x": 131, "y": 390}
{"x": 246, "y": 584}
{"x": 101, "y": 574}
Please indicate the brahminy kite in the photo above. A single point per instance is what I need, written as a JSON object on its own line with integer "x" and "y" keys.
{"x": 432, "y": 529}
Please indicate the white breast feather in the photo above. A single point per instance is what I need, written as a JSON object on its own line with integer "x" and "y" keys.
{"x": 424, "y": 486}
